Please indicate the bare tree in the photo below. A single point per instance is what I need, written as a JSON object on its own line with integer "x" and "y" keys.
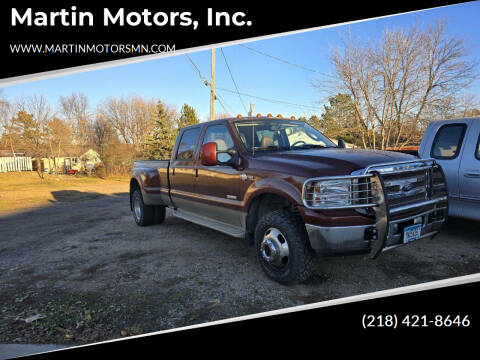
{"x": 468, "y": 105}
{"x": 105, "y": 139}
{"x": 38, "y": 106}
{"x": 57, "y": 136}
{"x": 103, "y": 132}
{"x": 130, "y": 117}
{"x": 7, "y": 138}
{"x": 4, "y": 109}
{"x": 75, "y": 110}
{"x": 394, "y": 80}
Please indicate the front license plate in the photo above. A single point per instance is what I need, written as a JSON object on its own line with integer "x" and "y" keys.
{"x": 411, "y": 233}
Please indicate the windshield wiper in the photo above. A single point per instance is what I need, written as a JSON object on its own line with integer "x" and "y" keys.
{"x": 276, "y": 147}
{"x": 271, "y": 147}
{"x": 310, "y": 146}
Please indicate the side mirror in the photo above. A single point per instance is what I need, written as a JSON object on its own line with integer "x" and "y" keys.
{"x": 341, "y": 144}
{"x": 208, "y": 154}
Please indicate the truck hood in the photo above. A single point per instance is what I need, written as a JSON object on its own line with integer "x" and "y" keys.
{"x": 326, "y": 162}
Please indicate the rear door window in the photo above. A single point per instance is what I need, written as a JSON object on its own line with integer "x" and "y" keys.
{"x": 448, "y": 141}
{"x": 186, "y": 148}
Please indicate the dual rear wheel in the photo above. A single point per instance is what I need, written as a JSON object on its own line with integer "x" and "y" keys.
{"x": 146, "y": 214}
{"x": 281, "y": 241}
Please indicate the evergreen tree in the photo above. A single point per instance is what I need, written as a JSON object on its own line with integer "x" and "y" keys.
{"x": 339, "y": 120}
{"x": 315, "y": 122}
{"x": 188, "y": 116}
{"x": 162, "y": 134}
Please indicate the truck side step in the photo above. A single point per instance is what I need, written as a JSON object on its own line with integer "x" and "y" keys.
{"x": 212, "y": 224}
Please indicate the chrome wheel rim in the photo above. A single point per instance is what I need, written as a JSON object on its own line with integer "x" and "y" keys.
{"x": 137, "y": 210}
{"x": 274, "y": 248}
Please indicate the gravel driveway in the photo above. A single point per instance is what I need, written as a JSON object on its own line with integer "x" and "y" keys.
{"x": 83, "y": 272}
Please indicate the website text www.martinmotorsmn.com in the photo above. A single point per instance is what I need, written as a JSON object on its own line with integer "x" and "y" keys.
{"x": 91, "y": 48}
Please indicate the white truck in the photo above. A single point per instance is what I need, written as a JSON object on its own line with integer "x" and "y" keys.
{"x": 455, "y": 145}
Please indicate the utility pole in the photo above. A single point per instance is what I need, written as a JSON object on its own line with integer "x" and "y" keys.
{"x": 250, "y": 113}
{"x": 212, "y": 88}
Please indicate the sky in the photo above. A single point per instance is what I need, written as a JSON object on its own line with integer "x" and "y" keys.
{"x": 175, "y": 81}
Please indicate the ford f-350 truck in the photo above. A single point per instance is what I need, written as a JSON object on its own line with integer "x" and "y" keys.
{"x": 287, "y": 189}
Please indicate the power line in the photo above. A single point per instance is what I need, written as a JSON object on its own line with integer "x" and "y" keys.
{"x": 275, "y": 101}
{"x": 233, "y": 80}
{"x": 205, "y": 81}
{"x": 272, "y": 100}
{"x": 222, "y": 102}
{"x": 198, "y": 70}
{"x": 283, "y": 61}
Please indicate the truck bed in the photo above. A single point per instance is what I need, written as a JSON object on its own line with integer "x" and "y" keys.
{"x": 155, "y": 182}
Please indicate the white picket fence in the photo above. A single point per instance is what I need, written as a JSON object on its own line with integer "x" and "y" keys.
{"x": 17, "y": 163}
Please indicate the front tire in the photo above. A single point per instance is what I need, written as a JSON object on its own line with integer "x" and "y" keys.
{"x": 282, "y": 247}
{"x": 143, "y": 215}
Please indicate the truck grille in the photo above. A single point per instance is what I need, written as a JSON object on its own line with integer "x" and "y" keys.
{"x": 410, "y": 184}
{"x": 414, "y": 193}
{"x": 406, "y": 188}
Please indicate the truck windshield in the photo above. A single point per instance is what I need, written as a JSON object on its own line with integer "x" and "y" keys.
{"x": 273, "y": 135}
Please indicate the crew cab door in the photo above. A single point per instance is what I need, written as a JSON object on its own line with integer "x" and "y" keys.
{"x": 469, "y": 174}
{"x": 183, "y": 168}
{"x": 219, "y": 186}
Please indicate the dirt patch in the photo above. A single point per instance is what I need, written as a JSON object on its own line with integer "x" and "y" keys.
{"x": 94, "y": 275}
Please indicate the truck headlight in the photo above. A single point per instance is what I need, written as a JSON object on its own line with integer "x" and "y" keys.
{"x": 328, "y": 193}
{"x": 340, "y": 192}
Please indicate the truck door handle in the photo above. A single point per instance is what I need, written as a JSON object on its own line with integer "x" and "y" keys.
{"x": 244, "y": 177}
{"x": 471, "y": 174}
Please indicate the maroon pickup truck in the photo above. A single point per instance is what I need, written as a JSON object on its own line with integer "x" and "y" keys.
{"x": 285, "y": 188}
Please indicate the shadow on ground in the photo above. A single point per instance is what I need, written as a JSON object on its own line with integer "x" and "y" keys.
{"x": 62, "y": 196}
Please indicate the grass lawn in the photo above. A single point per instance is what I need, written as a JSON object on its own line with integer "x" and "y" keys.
{"x": 20, "y": 191}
